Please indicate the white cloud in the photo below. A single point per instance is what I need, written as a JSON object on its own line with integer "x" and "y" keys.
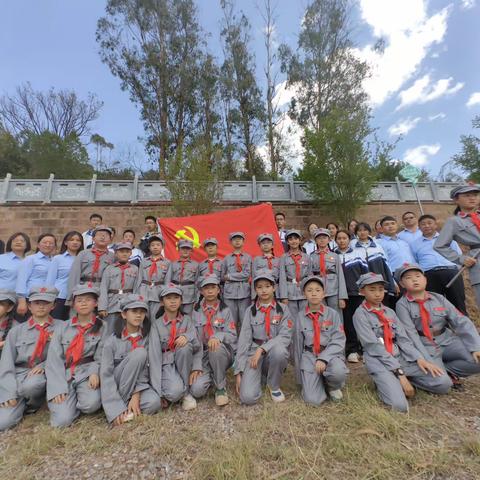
{"x": 438, "y": 116}
{"x": 474, "y": 99}
{"x": 467, "y": 4}
{"x": 403, "y": 126}
{"x": 423, "y": 90}
{"x": 419, "y": 156}
{"x": 409, "y": 34}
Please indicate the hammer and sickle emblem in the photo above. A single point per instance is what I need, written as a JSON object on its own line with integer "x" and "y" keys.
{"x": 194, "y": 238}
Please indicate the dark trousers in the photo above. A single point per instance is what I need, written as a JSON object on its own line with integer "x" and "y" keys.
{"x": 437, "y": 280}
{"x": 61, "y": 311}
{"x": 352, "y": 344}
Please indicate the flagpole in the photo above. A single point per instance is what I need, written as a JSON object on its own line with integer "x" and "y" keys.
{"x": 418, "y": 198}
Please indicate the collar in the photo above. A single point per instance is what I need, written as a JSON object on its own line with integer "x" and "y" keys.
{"x": 258, "y": 305}
{"x": 371, "y": 243}
{"x": 207, "y": 307}
{"x": 66, "y": 254}
{"x": 425, "y": 239}
{"x": 126, "y": 335}
{"x": 386, "y": 237}
{"x": 32, "y": 322}
{"x": 42, "y": 255}
{"x": 184, "y": 260}
{"x": 166, "y": 320}
{"x": 216, "y": 259}
{"x": 348, "y": 250}
{"x": 465, "y": 214}
{"x": 12, "y": 255}
{"x": 127, "y": 264}
{"x": 321, "y": 310}
{"x": 370, "y": 308}
{"x": 74, "y": 320}
{"x": 409, "y": 297}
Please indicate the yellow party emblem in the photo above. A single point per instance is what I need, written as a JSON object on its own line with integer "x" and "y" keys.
{"x": 184, "y": 233}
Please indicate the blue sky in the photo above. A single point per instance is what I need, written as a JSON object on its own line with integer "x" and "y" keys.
{"x": 425, "y": 86}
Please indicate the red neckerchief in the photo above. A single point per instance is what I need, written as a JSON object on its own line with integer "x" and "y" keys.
{"x": 238, "y": 261}
{"x": 182, "y": 268}
{"x": 386, "y": 325}
{"x": 322, "y": 262}
{"x": 474, "y": 216}
{"x": 75, "y": 350}
{"x": 153, "y": 267}
{"x": 43, "y": 338}
{"x": 209, "y": 311}
{"x": 96, "y": 264}
{"x": 211, "y": 263}
{"x": 134, "y": 341}
{"x": 122, "y": 267}
{"x": 173, "y": 330}
{"x": 297, "y": 257}
{"x": 269, "y": 261}
{"x": 315, "y": 318}
{"x": 267, "y": 311}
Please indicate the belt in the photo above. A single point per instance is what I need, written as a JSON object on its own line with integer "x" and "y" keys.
{"x": 293, "y": 281}
{"x": 88, "y": 279}
{"x": 182, "y": 284}
{"x": 24, "y": 365}
{"x": 435, "y": 333}
{"x": 83, "y": 361}
{"x": 166, "y": 350}
{"x": 151, "y": 284}
{"x": 259, "y": 342}
{"x": 437, "y": 269}
{"x": 126, "y": 290}
{"x": 308, "y": 348}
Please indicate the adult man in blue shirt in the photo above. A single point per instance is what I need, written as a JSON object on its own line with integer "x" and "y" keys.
{"x": 438, "y": 270}
{"x": 411, "y": 232}
{"x": 396, "y": 250}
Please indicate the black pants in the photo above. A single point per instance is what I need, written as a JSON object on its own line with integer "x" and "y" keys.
{"x": 352, "y": 344}
{"x": 60, "y": 312}
{"x": 437, "y": 281}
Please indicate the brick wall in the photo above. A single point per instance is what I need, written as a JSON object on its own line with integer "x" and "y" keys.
{"x": 59, "y": 219}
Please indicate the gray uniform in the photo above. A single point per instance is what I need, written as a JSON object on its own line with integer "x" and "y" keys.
{"x": 112, "y": 290}
{"x": 14, "y": 367}
{"x": 461, "y": 229}
{"x": 332, "y": 352}
{"x": 334, "y": 280}
{"x": 214, "y": 364}
{"x": 186, "y": 280}
{"x": 454, "y": 335}
{"x": 209, "y": 267}
{"x": 276, "y": 346}
{"x": 289, "y": 284}
{"x": 61, "y": 380}
{"x": 170, "y": 369}
{"x": 237, "y": 289}
{"x": 82, "y": 268}
{"x": 260, "y": 264}
{"x": 381, "y": 364}
{"x": 150, "y": 286}
{"x": 123, "y": 372}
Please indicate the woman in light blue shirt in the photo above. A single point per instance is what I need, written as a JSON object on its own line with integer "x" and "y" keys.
{"x": 60, "y": 268}
{"x": 17, "y": 246}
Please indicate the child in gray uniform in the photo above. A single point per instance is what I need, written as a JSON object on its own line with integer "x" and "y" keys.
{"x": 183, "y": 272}
{"x": 22, "y": 365}
{"x": 237, "y": 275}
{"x": 391, "y": 359}
{"x": 175, "y": 354}
{"x": 436, "y": 327}
{"x": 266, "y": 261}
{"x": 8, "y": 300}
{"x": 263, "y": 344}
{"x": 464, "y": 228}
{"x": 73, "y": 361}
{"x": 217, "y": 331}
{"x": 212, "y": 265}
{"x": 124, "y": 371}
{"x": 320, "y": 347}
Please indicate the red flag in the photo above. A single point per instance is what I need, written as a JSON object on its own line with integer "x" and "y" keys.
{"x": 252, "y": 221}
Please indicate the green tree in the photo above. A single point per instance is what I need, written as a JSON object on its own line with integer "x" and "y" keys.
{"x": 468, "y": 160}
{"x": 336, "y": 166}
{"x": 12, "y": 159}
{"x": 100, "y": 144}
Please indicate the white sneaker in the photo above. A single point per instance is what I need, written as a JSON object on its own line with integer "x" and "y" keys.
{"x": 335, "y": 395}
{"x": 277, "y": 396}
{"x": 353, "y": 357}
{"x": 188, "y": 402}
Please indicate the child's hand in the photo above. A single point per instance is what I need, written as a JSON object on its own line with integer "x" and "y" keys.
{"x": 181, "y": 341}
{"x": 407, "y": 387}
{"x": 193, "y": 376}
{"x": 2, "y": 343}
{"x": 102, "y": 313}
{"x": 35, "y": 371}
{"x": 9, "y": 403}
{"x": 320, "y": 366}
{"x": 134, "y": 405}
{"x": 93, "y": 381}
{"x": 238, "y": 381}
{"x": 119, "y": 420}
{"x": 429, "y": 367}
{"x": 213, "y": 344}
{"x": 285, "y": 301}
{"x": 342, "y": 304}
{"x": 59, "y": 398}
{"x": 256, "y": 357}
{"x": 476, "y": 356}
{"x": 467, "y": 261}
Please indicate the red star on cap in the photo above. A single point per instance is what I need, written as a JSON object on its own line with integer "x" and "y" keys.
{"x": 43, "y": 290}
{"x": 140, "y": 297}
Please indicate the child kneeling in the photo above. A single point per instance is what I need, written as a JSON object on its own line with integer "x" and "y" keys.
{"x": 263, "y": 344}
{"x": 320, "y": 346}
{"x": 124, "y": 372}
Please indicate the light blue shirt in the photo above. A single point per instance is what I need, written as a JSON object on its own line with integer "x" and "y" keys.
{"x": 409, "y": 236}
{"x": 9, "y": 265}
{"x": 397, "y": 251}
{"x": 32, "y": 273}
{"x": 58, "y": 272}
{"x": 427, "y": 257}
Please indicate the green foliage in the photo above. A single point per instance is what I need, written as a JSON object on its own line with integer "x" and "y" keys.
{"x": 336, "y": 167}
{"x": 468, "y": 160}
{"x": 12, "y": 159}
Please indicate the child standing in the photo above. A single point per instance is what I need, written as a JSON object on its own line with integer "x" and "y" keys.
{"x": 151, "y": 275}
{"x": 22, "y": 365}
{"x": 212, "y": 265}
{"x": 183, "y": 272}
{"x": 216, "y": 330}
{"x": 435, "y": 326}
{"x": 73, "y": 361}
{"x": 124, "y": 373}
{"x": 391, "y": 359}
{"x": 236, "y": 275}
{"x": 266, "y": 261}
{"x": 118, "y": 280}
{"x": 327, "y": 265}
{"x": 320, "y": 346}
{"x": 175, "y": 354}
{"x": 263, "y": 344}
{"x": 8, "y": 300}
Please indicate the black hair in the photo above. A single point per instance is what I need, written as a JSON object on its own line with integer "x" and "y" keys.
{"x": 378, "y": 222}
{"x": 10, "y": 318}
{"x": 364, "y": 225}
{"x": 161, "y": 311}
{"x": 310, "y": 224}
{"x": 150, "y": 217}
{"x": 457, "y": 209}
{"x": 97, "y": 325}
{"x": 128, "y": 230}
{"x": 68, "y": 237}
{"x": 350, "y": 221}
{"x": 44, "y": 235}
{"x": 119, "y": 325}
{"x": 281, "y": 214}
{"x": 332, "y": 223}
{"x": 342, "y": 230}
{"x": 221, "y": 305}
{"x": 113, "y": 230}
{"x": 387, "y": 218}
{"x": 313, "y": 280}
{"x": 96, "y": 215}
{"x": 409, "y": 212}
{"x": 427, "y": 216}
{"x": 28, "y": 244}
{"x": 272, "y": 282}
{"x": 278, "y": 306}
